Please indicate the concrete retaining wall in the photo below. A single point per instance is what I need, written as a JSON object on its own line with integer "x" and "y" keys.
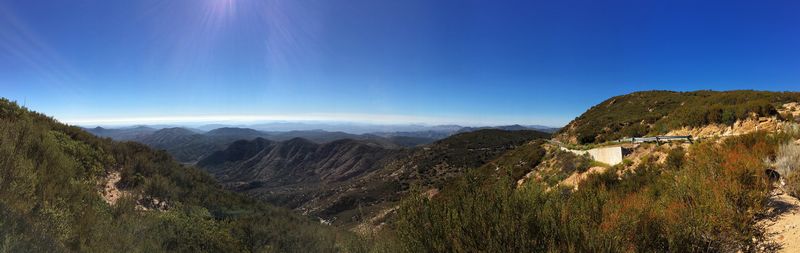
{"x": 608, "y": 155}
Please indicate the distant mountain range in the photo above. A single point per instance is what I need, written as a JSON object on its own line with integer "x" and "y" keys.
{"x": 189, "y": 145}
{"x": 331, "y": 174}
{"x": 122, "y": 134}
{"x": 510, "y": 128}
{"x": 351, "y": 128}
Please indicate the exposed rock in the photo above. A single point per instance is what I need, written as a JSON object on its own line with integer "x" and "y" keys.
{"x": 110, "y": 191}
{"x": 150, "y": 204}
{"x": 771, "y": 124}
{"x": 111, "y": 195}
{"x": 376, "y": 223}
{"x": 792, "y": 108}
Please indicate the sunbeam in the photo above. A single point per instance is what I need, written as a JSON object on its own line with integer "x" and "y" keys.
{"x": 196, "y": 36}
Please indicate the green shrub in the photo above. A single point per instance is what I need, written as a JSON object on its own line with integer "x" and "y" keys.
{"x": 675, "y": 158}
{"x": 706, "y": 201}
{"x": 657, "y": 112}
{"x": 50, "y": 199}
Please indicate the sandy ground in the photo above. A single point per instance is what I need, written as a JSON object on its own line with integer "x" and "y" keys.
{"x": 783, "y": 224}
{"x": 110, "y": 192}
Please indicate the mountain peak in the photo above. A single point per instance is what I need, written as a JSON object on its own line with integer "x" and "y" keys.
{"x": 174, "y": 131}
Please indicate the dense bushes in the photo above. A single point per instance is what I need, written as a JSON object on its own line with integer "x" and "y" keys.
{"x": 706, "y": 201}
{"x": 518, "y": 161}
{"x": 448, "y": 158}
{"x": 50, "y": 176}
{"x": 705, "y": 114}
{"x": 658, "y": 112}
{"x": 563, "y": 165}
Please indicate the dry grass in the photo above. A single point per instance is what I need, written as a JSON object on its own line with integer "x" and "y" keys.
{"x": 787, "y": 163}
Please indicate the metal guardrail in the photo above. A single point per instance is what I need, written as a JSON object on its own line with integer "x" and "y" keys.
{"x": 657, "y": 139}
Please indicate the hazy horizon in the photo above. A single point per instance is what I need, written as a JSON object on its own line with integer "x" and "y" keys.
{"x": 244, "y": 120}
{"x": 300, "y": 125}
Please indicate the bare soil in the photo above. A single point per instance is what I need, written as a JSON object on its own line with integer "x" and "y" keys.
{"x": 110, "y": 191}
{"x": 782, "y": 224}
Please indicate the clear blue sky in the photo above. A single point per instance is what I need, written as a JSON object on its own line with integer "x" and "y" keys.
{"x": 436, "y": 61}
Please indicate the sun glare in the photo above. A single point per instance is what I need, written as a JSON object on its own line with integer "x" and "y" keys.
{"x": 224, "y": 7}
{"x": 219, "y": 12}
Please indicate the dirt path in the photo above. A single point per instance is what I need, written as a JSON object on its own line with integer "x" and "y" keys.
{"x": 110, "y": 192}
{"x": 783, "y": 224}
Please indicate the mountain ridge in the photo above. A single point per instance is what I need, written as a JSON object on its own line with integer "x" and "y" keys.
{"x": 189, "y": 146}
{"x": 334, "y": 179}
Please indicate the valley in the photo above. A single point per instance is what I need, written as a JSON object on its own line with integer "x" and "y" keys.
{"x": 499, "y": 182}
{"x": 343, "y": 178}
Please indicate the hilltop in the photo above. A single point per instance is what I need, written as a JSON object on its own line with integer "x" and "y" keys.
{"x": 660, "y": 112}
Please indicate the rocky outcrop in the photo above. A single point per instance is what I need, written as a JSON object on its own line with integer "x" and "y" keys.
{"x": 769, "y": 124}
{"x": 111, "y": 193}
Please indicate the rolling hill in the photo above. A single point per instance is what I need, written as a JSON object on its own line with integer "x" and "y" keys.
{"x": 191, "y": 145}
{"x": 659, "y": 112}
{"x": 348, "y": 180}
{"x": 122, "y": 134}
{"x": 188, "y": 146}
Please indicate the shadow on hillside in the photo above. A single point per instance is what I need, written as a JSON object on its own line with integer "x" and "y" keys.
{"x": 777, "y": 206}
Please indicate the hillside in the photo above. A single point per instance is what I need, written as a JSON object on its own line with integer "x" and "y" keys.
{"x": 293, "y": 161}
{"x": 348, "y": 180}
{"x": 52, "y": 199}
{"x": 188, "y": 146}
{"x": 510, "y": 128}
{"x": 711, "y": 195}
{"x": 122, "y": 134}
{"x": 669, "y": 197}
{"x": 234, "y": 131}
{"x": 659, "y": 112}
